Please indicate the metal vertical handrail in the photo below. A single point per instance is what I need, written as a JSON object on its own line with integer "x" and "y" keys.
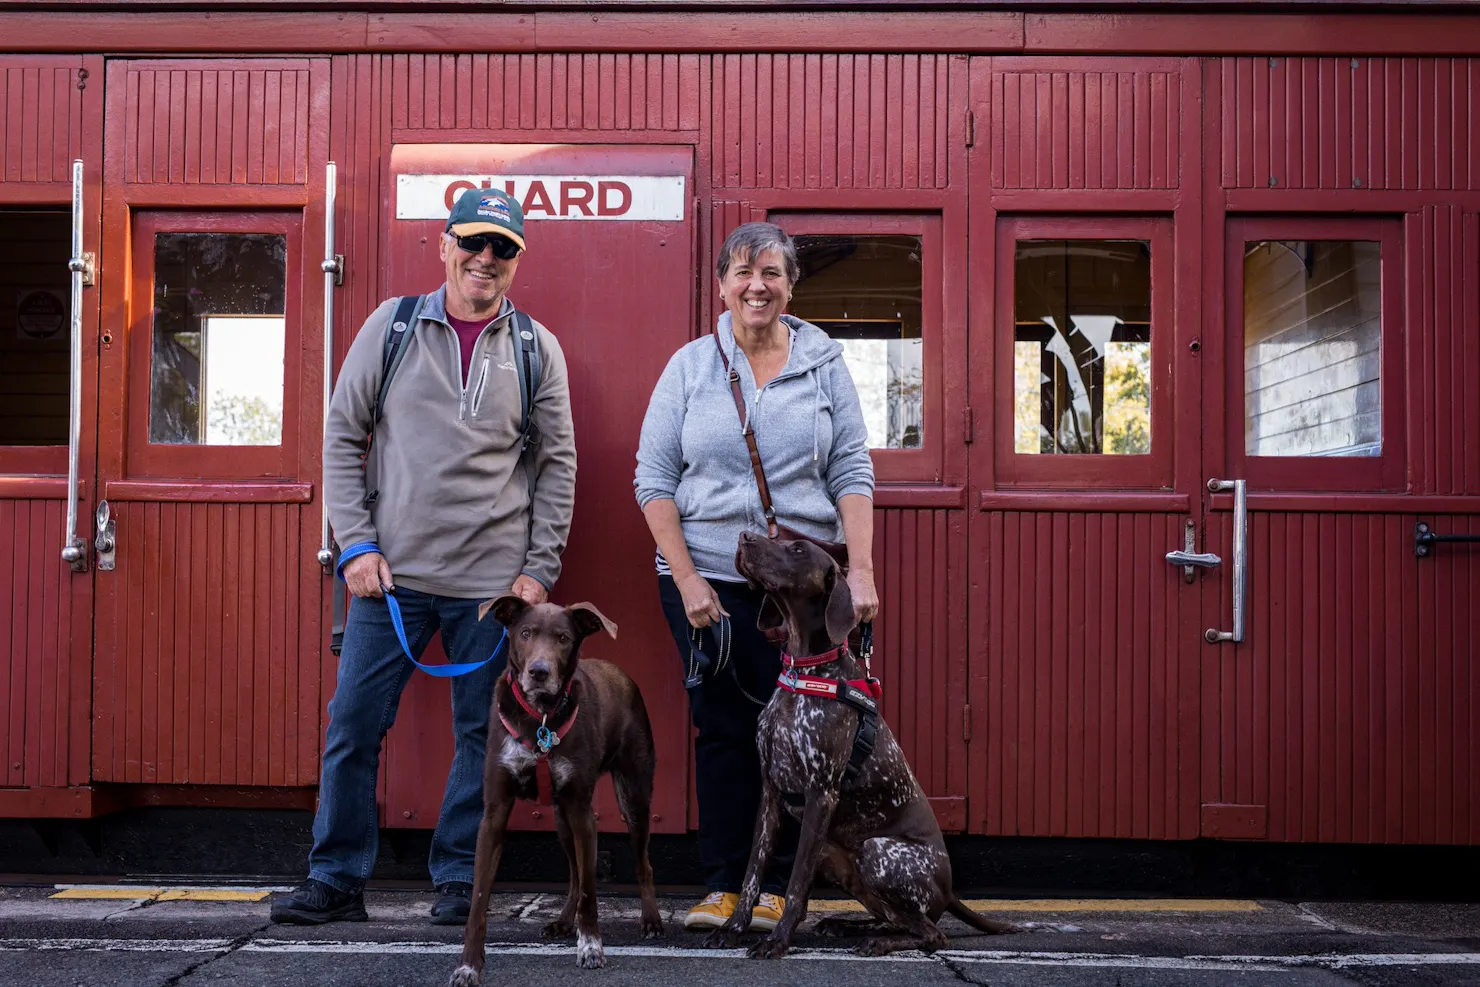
{"x": 74, "y": 551}
{"x": 333, "y": 268}
{"x": 1240, "y": 558}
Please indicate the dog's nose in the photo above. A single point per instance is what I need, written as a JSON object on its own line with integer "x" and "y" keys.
{"x": 746, "y": 537}
{"x": 539, "y": 672}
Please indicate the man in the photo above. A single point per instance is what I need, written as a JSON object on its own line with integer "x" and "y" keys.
{"x": 453, "y": 509}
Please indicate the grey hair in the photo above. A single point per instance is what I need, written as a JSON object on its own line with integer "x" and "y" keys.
{"x": 747, "y": 242}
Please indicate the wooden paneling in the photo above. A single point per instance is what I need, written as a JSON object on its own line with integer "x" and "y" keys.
{"x": 1118, "y": 128}
{"x": 545, "y": 92}
{"x": 1348, "y": 711}
{"x": 920, "y": 641}
{"x": 205, "y": 123}
{"x": 1086, "y": 678}
{"x": 43, "y": 692}
{"x": 1341, "y": 123}
{"x": 41, "y": 118}
{"x": 206, "y": 643}
{"x": 1442, "y": 272}
{"x": 833, "y": 121}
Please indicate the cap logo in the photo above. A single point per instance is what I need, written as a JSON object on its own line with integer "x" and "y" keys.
{"x": 494, "y": 208}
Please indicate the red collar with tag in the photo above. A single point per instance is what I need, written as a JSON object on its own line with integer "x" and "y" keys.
{"x": 822, "y": 687}
{"x": 545, "y": 740}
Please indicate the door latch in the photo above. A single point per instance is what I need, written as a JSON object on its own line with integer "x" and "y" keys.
{"x": 1191, "y": 559}
{"x": 106, "y": 541}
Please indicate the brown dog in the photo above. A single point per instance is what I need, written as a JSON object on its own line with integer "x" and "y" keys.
{"x": 559, "y": 723}
{"x": 867, "y": 825}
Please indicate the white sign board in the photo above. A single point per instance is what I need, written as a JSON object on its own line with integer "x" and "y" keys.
{"x": 606, "y": 197}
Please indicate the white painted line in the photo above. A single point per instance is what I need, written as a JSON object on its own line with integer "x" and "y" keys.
{"x": 1235, "y": 961}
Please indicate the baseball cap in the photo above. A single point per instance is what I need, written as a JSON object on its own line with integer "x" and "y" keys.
{"x": 487, "y": 211}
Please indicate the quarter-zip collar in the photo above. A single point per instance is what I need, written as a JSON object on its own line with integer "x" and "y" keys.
{"x": 470, "y": 391}
{"x": 435, "y": 308}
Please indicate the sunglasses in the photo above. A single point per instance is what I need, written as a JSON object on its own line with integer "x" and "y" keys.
{"x": 503, "y": 247}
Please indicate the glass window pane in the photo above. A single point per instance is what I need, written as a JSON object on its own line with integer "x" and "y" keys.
{"x": 865, "y": 292}
{"x": 35, "y": 328}
{"x": 216, "y": 374}
{"x": 1312, "y": 348}
{"x": 1082, "y": 347}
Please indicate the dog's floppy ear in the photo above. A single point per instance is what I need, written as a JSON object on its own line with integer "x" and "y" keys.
{"x": 839, "y": 616}
{"x": 589, "y": 620}
{"x": 506, "y": 609}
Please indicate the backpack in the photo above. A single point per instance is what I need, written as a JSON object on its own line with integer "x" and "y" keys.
{"x": 527, "y": 366}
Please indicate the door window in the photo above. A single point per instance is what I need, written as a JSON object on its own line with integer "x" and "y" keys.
{"x": 35, "y": 340}
{"x": 1314, "y": 320}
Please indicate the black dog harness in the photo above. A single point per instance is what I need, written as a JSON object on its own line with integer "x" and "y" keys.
{"x": 863, "y": 694}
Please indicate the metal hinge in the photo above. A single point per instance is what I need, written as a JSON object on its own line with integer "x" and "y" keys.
{"x": 970, "y": 129}
{"x": 966, "y": 723}
{"x": 968, "y": 426}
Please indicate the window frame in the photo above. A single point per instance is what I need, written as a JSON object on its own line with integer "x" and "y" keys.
{"x": 146, "y": 459}
{"x": 1385, "y": 472}
{"x": 1087, "y": 470}
{"x": 924, "y": 463}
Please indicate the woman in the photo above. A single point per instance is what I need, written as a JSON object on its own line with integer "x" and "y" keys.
{"x": 698, "y": 492}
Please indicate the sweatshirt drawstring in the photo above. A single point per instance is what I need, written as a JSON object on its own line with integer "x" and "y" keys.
{"x": 816, "y": 410}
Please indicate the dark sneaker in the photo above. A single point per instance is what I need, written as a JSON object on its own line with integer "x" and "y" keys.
{"x": 454, "y": 902}
{"x": 315, "y": 903}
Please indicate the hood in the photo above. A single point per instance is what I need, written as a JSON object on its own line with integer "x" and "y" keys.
{"x": 810, "y": 349}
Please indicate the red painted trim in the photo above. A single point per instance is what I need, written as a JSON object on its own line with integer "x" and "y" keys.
{"x": 1344, "y": 503}
{"x": 1249, "y": 33}
{"x": 1084, "y": 502}
{"x": 36, "y": 193}
{"x": 1370, "y": 202}
{"x": 14, "y": 487}
{"x": 46, "y": 803}
{"x": 950, "y": 812}
{"x": 33, "y": 460}
{"x": 176, "y": 196}
{"x": 1081, "y": 201}
{"x": 1226, "y": 821}
{"x": 469, "y": 135}
{"x": 168, "y": 491}
{"x": 896, "y": 495}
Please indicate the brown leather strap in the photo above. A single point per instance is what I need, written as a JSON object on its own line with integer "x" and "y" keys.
{"x": 755, "y": 454}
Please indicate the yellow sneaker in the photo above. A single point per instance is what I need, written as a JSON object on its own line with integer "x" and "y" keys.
{"x": 767, "y": 912}
{"x": 714, "y": 911}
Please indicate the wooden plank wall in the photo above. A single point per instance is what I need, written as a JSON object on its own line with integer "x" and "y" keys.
{"x": 41, "y": 118}
{"x": 1341, "y": 123}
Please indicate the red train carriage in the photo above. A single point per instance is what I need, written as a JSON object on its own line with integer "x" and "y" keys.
{"x": 1165, "y": 323}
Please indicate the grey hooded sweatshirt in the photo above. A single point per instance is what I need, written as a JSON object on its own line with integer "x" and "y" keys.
{"x": 808, "y": 427}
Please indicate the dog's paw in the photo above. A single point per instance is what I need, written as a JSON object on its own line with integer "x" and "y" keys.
{"x": 721, "y": 938}
{"x": 652, "y": 928}
{"x": 874, "y": 947}
{"x": 590, "y": 955}
{"x": 561, "y": 928}
{"x": 769, "y": 948}
{"x": 463, "y": 976}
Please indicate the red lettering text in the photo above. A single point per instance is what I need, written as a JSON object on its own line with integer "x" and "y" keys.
{"x": 604, "y": 203}
{"x": 453, "y": 190}
{"x": 537, "y": 199}
{"x": 577, "y": 194}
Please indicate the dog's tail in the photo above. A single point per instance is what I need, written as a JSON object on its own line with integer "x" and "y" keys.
{"x": 977, "y": 921}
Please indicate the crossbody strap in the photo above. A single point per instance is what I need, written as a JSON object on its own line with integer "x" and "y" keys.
{"x": 755, "y": 454}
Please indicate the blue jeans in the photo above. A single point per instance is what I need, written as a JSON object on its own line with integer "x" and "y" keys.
{"x": 373, "y": 673}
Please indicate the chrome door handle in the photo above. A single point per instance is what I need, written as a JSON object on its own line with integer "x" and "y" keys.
{"x": 1240, "y": 558}
{"x": 1202, "y": 560}
{"x": 106, "y": 542}
{"x": 333, "y": 268}
{"x": 74, "y": 551}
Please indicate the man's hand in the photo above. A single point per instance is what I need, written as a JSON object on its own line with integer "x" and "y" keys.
{"x": 865, "y": 596}
{"x": 530, "y": 590}
{"x": 366, "y": 573}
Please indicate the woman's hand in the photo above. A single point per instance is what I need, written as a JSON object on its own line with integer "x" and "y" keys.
{"x": 865, "y": 597}
{"x": 700, "y": 601}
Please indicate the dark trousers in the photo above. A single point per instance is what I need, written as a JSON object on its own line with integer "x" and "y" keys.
{"x": 727, "y": 764}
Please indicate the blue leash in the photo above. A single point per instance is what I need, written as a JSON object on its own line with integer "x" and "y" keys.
{"x": 440, "y": 671}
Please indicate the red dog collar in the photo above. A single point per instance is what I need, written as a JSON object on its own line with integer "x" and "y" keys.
{"x": 812, "y": 661}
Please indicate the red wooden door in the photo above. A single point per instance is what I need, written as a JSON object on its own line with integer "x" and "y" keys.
{"x": 52, "y": 110}
{"x": 613, "y": 278}
{"x": 1083, "y": 479}
{"x": 1342, "y": 710}
{"x": 209, "y": 663}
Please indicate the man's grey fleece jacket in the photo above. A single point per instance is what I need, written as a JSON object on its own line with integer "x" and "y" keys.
{"x": 454, "y": 516}
{"x": 809, "y": 429}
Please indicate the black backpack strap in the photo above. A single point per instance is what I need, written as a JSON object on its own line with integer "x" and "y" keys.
{"x": 403, "y": 323}
{"x": 528, "y": 365}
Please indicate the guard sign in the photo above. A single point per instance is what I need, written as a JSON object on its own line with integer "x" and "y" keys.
{"x": 595, "y": 197}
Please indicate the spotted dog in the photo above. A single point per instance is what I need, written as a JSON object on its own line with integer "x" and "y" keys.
{"x": 865, "y": 821}
{"x": 558, "y": 724}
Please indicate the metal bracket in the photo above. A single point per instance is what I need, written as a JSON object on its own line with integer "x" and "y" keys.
{"x": 1191, "y": 559}
{"x": 85, "y": 263}
{"x": 334, "y": 265}
{"x": 106, "y": 542}
{"x": 1424, "y": 539}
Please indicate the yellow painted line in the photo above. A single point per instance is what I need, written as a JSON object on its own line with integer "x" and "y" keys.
{"x": 1062, "y": 905}
{"x": 162, "y": 894}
